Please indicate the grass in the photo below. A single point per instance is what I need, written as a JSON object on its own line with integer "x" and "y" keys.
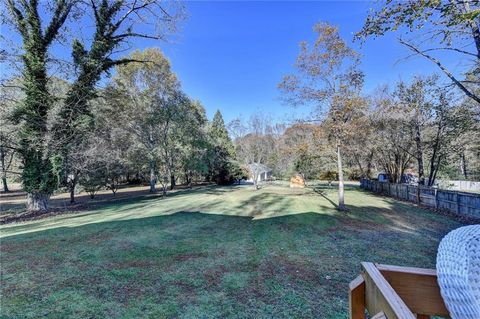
{"x": 215, "y": 252}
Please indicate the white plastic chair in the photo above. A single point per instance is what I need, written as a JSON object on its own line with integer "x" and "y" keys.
{"x": 458, "y": 271}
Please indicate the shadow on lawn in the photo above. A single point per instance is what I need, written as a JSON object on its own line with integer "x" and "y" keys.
{"x": 321, "y": 192}
{"x": 113, "y": 261}
{"x": 13, "y": 203}
{"x": 396, "y": 216}
{"x": 197, "y": 259}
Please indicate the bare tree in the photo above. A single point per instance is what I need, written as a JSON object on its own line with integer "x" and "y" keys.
{"x": 255, "y": 145}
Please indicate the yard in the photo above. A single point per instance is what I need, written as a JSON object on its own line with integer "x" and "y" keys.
{"x": 211, "y": 252}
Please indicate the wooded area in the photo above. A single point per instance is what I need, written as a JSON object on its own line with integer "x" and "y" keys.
{"x": 126, "y": 193}
{"x": 67, "y": 132}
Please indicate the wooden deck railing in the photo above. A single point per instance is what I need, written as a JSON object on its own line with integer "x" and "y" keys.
{"x": 396, "y": 292}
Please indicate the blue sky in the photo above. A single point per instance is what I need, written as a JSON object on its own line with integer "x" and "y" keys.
{"x": 231, "y": 55}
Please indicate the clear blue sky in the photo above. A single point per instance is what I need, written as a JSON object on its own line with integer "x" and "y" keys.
{"x": 231, "y": 55}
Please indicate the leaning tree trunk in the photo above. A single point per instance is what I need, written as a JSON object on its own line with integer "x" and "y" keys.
{"x": 341, "y": 191}
{"x": 37, "y": 202}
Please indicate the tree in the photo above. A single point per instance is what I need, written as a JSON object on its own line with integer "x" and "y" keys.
{"x": 141, "y": 94}
{"x": 359, "y": 147}
{"x": 93, "y": 179}
{"x": 116, "y": 22}
{"x": 221, "y": 153}
{"x": 304, "y": 149}
{"x": 437, "y": 26}
{"x": 308, "y": 164}
{"x": 37, "y": 177}
{"x": 327, "y": 74}
{"x": 431, "y": 120}
{"x": 391, "y": 146}
{"x": 255, "y": 145}
{"x": 8, "y": 133}
{"x": 191, "y": 137}
{"x": 415, "y": 103}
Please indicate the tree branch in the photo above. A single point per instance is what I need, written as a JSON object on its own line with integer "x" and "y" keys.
{"x": 444, "y": 70}
{"x": 19, "y": 19}
{"x": 61, "y": 13}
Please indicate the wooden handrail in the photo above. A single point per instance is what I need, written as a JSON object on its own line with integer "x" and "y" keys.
{"x": 417, "y": 287}
{"x": 380, "y": 296}
{"x": 395, "y": 292}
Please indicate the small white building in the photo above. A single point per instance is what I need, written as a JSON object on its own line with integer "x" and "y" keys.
{"x": 263, "y": 172}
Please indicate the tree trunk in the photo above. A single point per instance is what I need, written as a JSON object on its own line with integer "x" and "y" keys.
{"x": 37, "y": 202}
{"x": 4, "y": 181}
{"x": 255, "y": 180}
{"x": 419, "y": 155}
{"x": 188, "y": 180}
{"x": 473, "y": 26}
{"x": 172, "y": 181}
{"x": 153, "y": 181}
{"x": 72, "y": 182}
{"x": 164, "y": 190}
{"x": 72, "y": 194}
{"x": 463, "y": 165}
{"x": 341, "y": 191}
{"x": 4, "y": 169}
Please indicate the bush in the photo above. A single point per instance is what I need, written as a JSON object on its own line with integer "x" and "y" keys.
{"x": 354, "y": 174}
{"x": 329, "y": 175}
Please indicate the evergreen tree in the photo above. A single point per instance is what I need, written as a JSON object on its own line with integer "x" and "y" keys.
{"x": 221, "y": 153}
{"x": 219, "y": 134}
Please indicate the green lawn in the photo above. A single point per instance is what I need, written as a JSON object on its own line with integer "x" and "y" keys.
{"x": 216, "y": 252}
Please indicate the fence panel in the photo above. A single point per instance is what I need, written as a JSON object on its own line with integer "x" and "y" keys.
{"x": 465, "y": 204}
{"x": 428, "y": 196}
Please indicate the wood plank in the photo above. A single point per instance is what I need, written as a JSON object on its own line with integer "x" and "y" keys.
{"x": 417, "y": 287}
{"x": 357, "y": 298}
{"x": 380, "y": 296}
{"x": 379, "y": 315}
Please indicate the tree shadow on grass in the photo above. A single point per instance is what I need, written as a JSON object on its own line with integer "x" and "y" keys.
{"x": 231, "y": 262}
{"x": 320, "y": 191}
{"x": 12, "y": 209}
{"x": 257, "y": 205}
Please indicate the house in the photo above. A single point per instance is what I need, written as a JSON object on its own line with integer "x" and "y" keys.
{"x": 262, "y": 172}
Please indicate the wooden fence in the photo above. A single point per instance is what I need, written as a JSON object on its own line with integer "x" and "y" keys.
{"x": 461, "y": 203}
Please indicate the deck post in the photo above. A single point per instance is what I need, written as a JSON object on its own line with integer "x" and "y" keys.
{"x": 356, "y": 298}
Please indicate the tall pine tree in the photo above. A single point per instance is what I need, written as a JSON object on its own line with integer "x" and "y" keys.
{"x": 222, "y": 153}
